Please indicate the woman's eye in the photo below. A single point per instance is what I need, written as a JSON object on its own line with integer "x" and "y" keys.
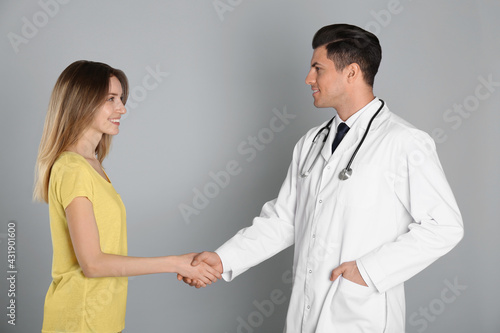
{"x": 111, "y": 99}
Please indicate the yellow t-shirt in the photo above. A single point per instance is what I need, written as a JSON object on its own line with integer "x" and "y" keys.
{"x": 75, "y": 303}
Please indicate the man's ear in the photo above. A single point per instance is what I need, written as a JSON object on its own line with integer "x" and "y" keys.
{"x": 353, "y": 72}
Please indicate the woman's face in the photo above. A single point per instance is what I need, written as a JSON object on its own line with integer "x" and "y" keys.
{"x": 107, "y": 118}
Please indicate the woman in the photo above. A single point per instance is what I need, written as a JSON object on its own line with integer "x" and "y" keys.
{"x": 87, "y": 217}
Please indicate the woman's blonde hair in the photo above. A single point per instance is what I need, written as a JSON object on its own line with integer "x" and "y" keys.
{"x": 79, "y": 92}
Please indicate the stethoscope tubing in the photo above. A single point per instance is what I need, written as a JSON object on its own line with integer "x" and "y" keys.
{"x": 364, "y": 136}
{"x": 347, "y": 171}
{"x": 314, "y": 142}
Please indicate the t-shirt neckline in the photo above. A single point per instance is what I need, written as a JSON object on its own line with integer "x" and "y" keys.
{"x": 107, "y": 181}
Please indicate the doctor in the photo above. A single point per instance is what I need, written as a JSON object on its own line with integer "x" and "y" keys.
{"x": 359, "y": 238}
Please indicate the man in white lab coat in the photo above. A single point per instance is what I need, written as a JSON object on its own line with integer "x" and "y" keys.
{"x": 359, "y": 239}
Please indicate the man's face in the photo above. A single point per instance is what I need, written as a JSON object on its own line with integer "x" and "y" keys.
{"x": 327, "y": 83}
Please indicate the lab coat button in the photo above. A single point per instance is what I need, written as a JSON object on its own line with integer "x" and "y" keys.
{"x": 321, "y": 201}
{"x": 314, "y": 236}
{"x": 308, "y": 307}
{"x": 310, "y": 271}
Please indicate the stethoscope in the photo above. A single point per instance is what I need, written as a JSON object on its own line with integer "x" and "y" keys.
{"x": 347, "y": 171}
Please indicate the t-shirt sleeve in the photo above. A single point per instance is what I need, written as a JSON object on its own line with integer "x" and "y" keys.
{"x": 73, "y": 181}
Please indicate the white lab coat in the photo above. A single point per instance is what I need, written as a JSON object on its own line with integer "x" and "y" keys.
{"x": 394, "y": 216}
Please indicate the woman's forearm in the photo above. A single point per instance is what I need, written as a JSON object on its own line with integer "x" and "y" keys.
{"x": 106, "y": 264}
{"x": 94, "y": 263}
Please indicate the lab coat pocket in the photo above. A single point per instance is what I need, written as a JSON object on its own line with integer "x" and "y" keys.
{"x": 357, "y": 308}
{"x": 355, "y": 289}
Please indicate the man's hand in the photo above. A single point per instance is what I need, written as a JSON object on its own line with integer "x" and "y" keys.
{"x": 349, "y": 270}
{"x": 210, "y": 258}
{"x": 203, "y": 273}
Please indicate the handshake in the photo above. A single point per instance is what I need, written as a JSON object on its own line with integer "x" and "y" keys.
{"x": 199, "y": 269}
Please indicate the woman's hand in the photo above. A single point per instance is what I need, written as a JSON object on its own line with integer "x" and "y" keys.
{"x": 210, "y": 258}
{"x": 202, "y": 273}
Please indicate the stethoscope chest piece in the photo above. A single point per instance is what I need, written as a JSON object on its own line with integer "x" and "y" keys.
{"x": 345, "y": 174}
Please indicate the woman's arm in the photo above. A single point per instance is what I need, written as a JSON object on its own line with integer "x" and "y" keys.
{"x": 94, "y": 263}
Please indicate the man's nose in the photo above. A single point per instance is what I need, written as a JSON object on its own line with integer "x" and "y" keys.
{"x": 310, "y": 77}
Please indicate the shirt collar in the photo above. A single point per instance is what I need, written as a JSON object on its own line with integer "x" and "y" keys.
{"x": 352, "y": 119}
{"x": 326, "y": 152}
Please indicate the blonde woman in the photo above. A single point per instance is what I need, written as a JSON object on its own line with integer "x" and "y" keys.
{"x": 87, "y": 217}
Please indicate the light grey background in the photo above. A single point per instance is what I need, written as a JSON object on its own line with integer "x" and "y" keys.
{"x": 227, "y": 71}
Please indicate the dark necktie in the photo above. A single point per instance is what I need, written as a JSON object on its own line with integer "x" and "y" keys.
{"x": 341, "y": 132}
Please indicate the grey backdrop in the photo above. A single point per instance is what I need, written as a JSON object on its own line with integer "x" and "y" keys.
{"x": 206, "y": 77}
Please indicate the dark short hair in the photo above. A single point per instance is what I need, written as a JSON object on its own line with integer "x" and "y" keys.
{"x": 347, "y": 44}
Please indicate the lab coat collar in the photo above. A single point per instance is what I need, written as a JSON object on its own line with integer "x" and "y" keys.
{"x": 355, "y": 133}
